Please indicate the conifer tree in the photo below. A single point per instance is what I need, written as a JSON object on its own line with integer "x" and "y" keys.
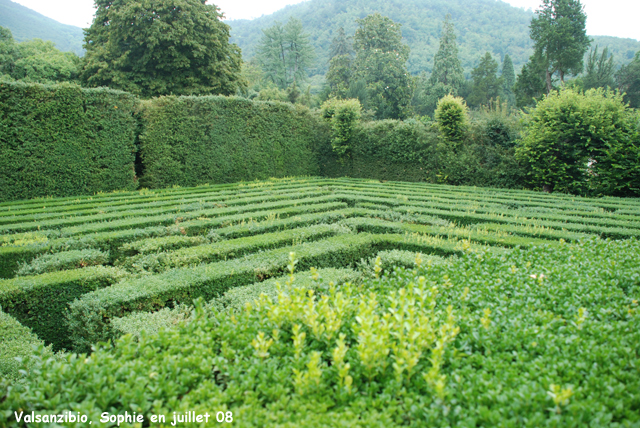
{"x": 486, "y": 83}
{"x": 558, "y": 31}
{"x": 599, "y": 70}
{"x": 446, "y": 64}
{"x": 285, "y": 53}
{"x": 508, "y": 76}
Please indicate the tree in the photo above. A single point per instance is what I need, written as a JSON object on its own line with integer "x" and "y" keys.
{"x": 7, "y": 52}
{"x": 447, "y": 75}
{"x": 531, "y": 83}
{"x": 35, "y": 61}
{"x": 451, "y": 117}
{"x": 599, "y": 70}
{"x": 160, "y": 47}
{"x": 560, "y": 38}
{"x": 341, "y": 45}
{"x": 285, "y": 53}
{"x": 628, "y": 80}
{"x": 508, "y": 76}
{"x": 339, "y": 76}
{"x": 381, "y": 62}
{"x": 486, "y": 84}
{"x": 583, "y": 144}
{"x": 446, "y": 64}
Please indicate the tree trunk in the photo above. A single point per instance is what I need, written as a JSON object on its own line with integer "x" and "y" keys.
{"x": 548, "y": 82}
{"x": 547, "y": 188}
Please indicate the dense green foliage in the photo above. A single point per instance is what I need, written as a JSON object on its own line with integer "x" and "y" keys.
{"x": 285, "y": 53}
{"x": 560, "y": 37}
{"x": 195, "y": 140}
{"x": 63, "y": 140}
{"x": 599, "y": 70}
{"x": 343, "y": 116}
{"x": 555, "y": 324}
{"x": 487, "y": 85}
{"x": 414, "y": 151}
{"x": 628, "y": 78}
{"x": 451, "y": 117}
{"x": 161, "y": 47}
{"x": 447, "y": 75}
{"x": 27, "y": 24}
{"x": 481, "y": 26}
{"x": 380, "y": 63}
{"x": 35, "y": 61}
{"x": 583, "y": 144}
{"x": 17, "y": 342}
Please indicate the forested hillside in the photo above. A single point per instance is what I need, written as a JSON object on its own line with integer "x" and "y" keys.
{"x": 481, "y": 25}
{"x": 26, "y": 24}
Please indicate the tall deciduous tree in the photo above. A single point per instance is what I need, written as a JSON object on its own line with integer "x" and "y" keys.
{"x": 285, "y": 53}
{"x": 158, "y": 47}
{"x": 558, "y": 31}
{"x": 381, "y": 62}
{"x": 486, "y": 83}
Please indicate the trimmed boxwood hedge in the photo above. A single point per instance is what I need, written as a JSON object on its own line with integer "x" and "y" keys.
{"x": 41, "y": 302}
{"x": 62, "y": 140}
{"x": 17, "y": 342}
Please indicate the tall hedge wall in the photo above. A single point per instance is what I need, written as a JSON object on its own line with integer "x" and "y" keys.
{"x": 62, "y": 140}
{"x": 212, "y": 139}
{"x": 415, "y": 151}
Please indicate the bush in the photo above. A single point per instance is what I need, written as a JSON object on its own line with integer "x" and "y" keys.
{"x": 451, "y": 117}
{"x": 583, "y": 143}
{"x": 343, "y": 116}
{"x": 63, "y": 140}
{"x": 194, "y": 140}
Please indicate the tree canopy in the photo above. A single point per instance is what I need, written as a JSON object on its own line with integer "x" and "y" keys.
{"x": 560, "y": 37}
{"x": 381, "y": 62}
{"x": 161, "y": 47}
{"x": 36, "y": 61}
{"x": 285, "y": 53}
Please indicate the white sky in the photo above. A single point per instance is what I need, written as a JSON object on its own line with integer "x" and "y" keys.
{"x": 604, "y": 17}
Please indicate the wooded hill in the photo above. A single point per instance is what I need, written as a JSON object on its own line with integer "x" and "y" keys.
{"x": 480, "y": 25}
{"x": 26, "y": 24}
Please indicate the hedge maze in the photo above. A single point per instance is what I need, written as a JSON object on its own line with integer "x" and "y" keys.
{"x": 540, "y": 290}
{"x": 74, "y": 265}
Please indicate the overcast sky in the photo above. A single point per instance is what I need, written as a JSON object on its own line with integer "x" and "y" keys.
{"x": 604, "y": 17}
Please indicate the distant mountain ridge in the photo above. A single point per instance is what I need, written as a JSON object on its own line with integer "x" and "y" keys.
{"x": 26, "y": 24}
{"x": 480, "y": 25}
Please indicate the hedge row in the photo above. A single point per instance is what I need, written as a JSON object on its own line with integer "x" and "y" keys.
{"x": 41, "y": 302}
{"x": 17, "y": 342}
{"x": 90, "y": 315}
{"x": 194, "y": 140}
{"x": 110, "y": 236}
{"x": 63, "y": 140}
{"x": 236, "y": 299}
